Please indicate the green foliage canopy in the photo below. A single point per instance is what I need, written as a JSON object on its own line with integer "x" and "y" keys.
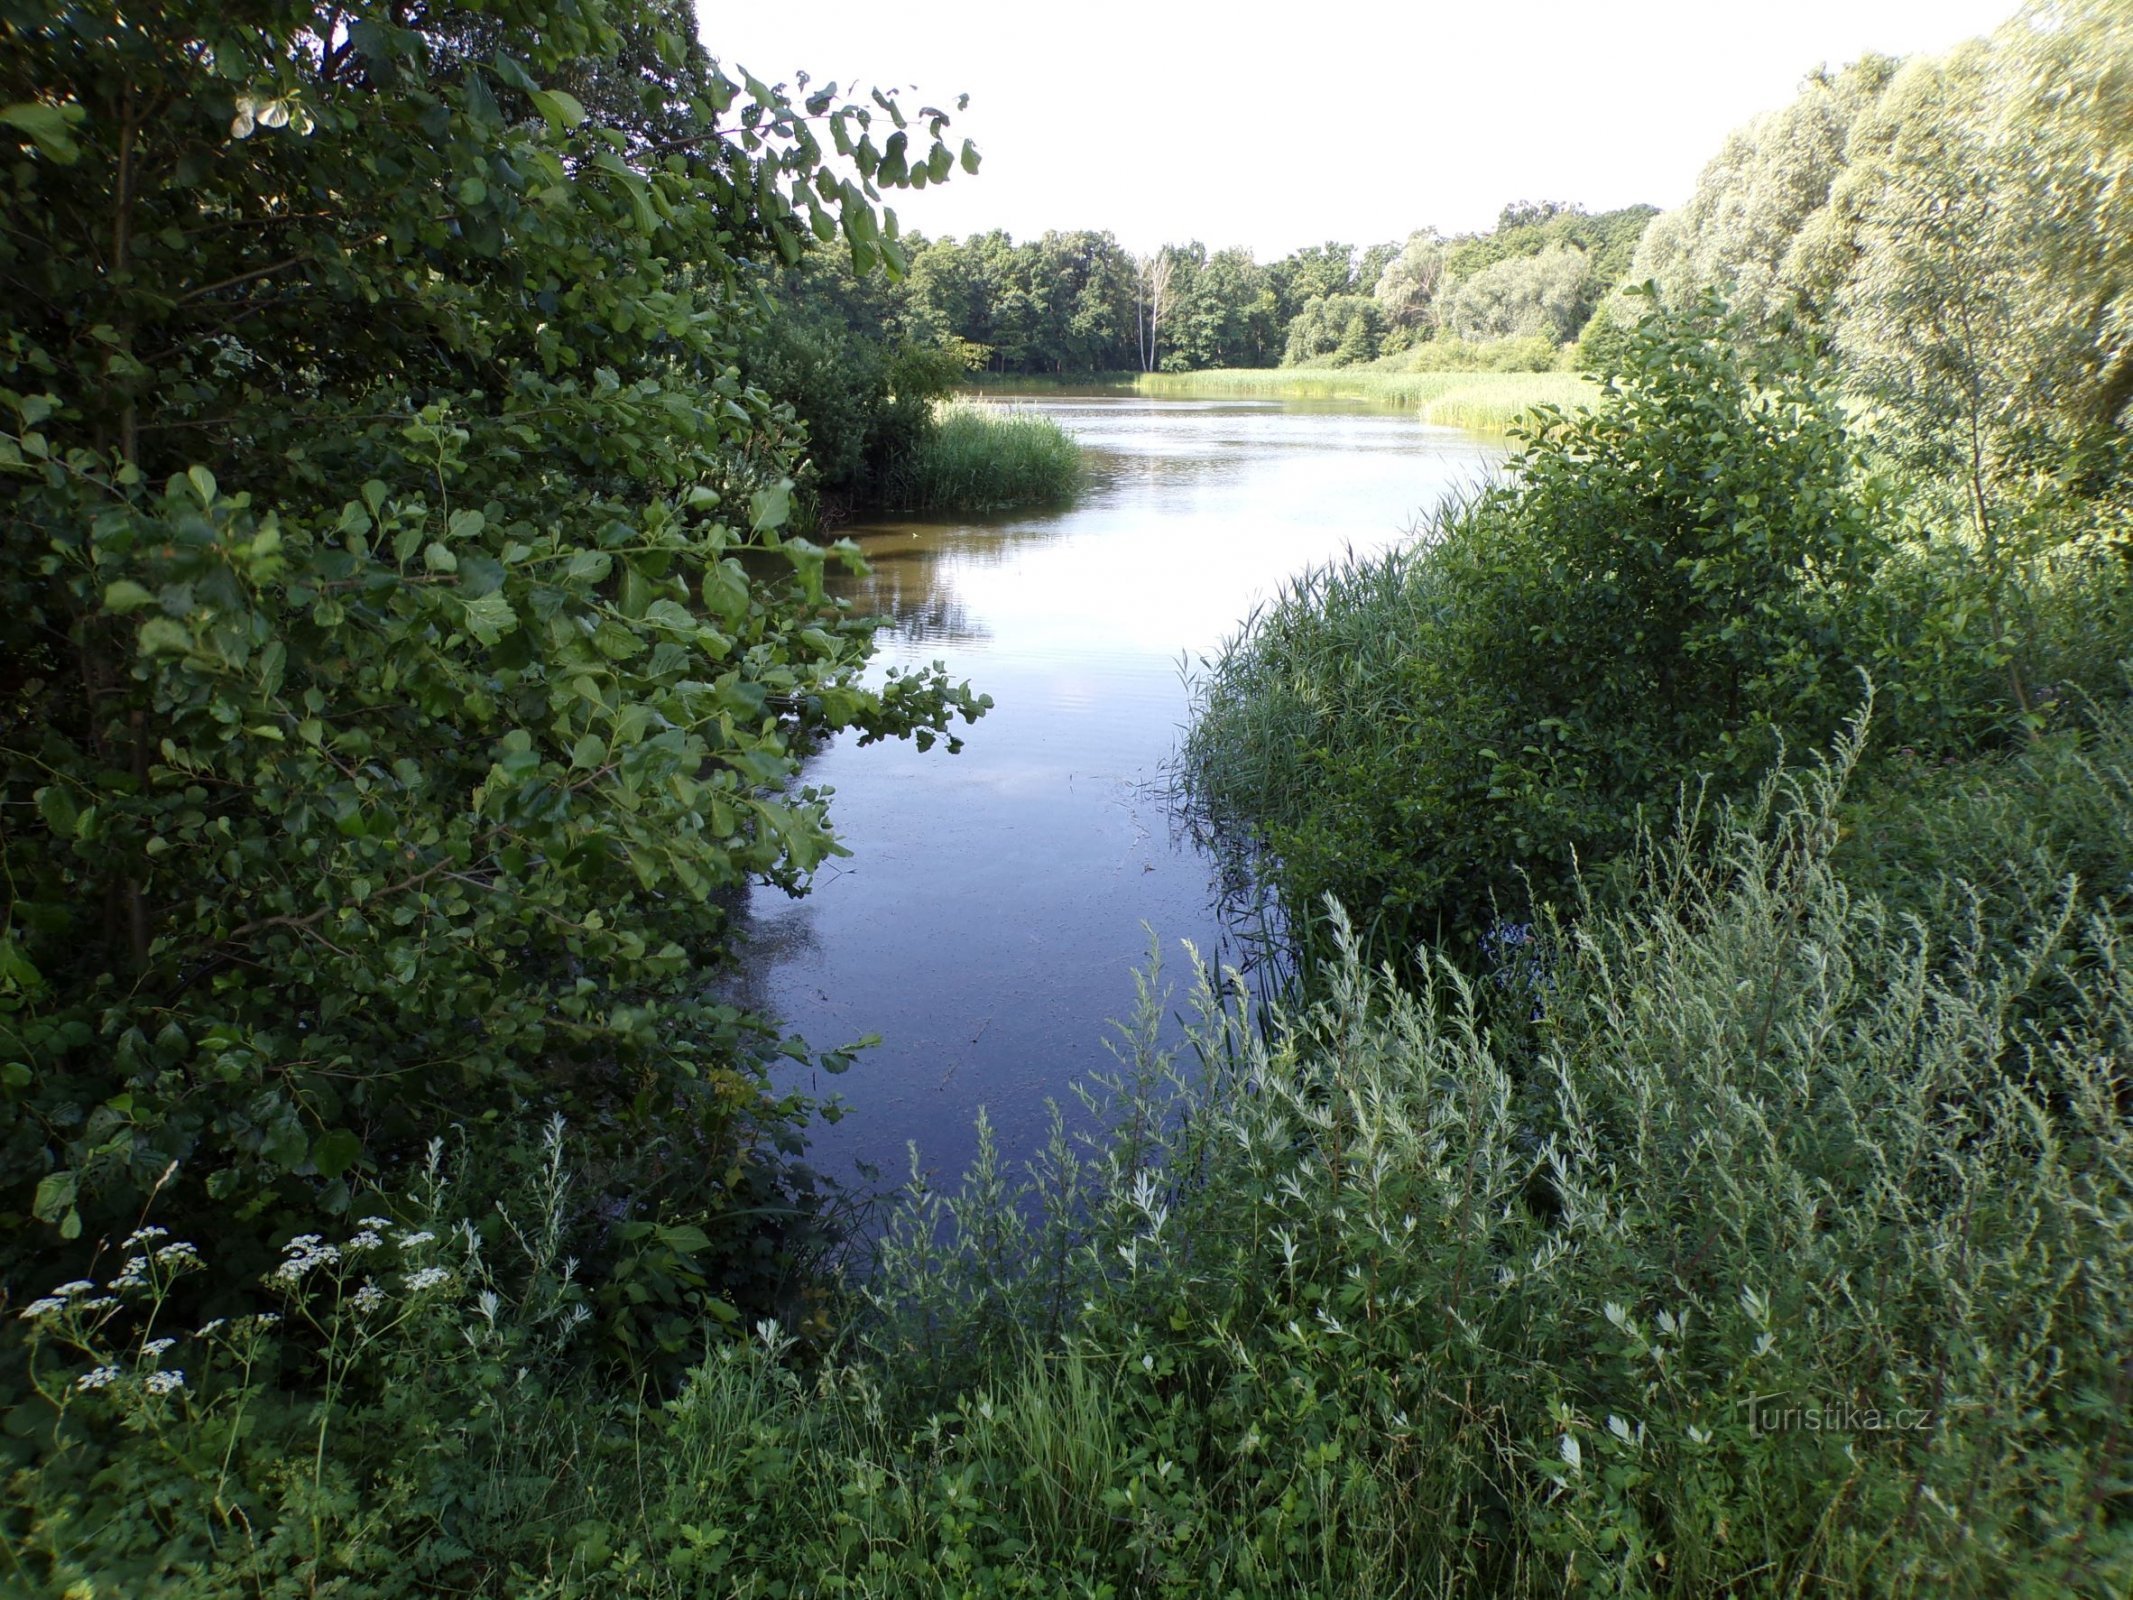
{"x": 404, "y": 648}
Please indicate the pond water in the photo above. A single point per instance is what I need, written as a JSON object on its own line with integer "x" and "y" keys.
{"x": 996, "y": 903}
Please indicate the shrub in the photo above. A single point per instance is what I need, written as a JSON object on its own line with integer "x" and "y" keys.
{"x": 387, "y": 702}
{"x": 1664, "y": 587}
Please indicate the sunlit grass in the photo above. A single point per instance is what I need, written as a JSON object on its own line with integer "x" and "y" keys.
{"x": 984, "y": 457}
{"x": 1485, "y": 402}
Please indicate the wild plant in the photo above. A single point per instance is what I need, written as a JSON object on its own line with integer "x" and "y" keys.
{"x": 1784, "y": 1253}
{"x": 400, "y": 1417}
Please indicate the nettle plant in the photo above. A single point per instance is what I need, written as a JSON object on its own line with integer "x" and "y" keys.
{"x": 405, "y": 648}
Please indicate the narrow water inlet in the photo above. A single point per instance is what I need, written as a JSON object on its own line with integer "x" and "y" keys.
{"x": 990, "y": 917}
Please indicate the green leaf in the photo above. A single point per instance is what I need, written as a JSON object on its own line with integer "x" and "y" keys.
{"x": 163, "y": 636}
{"x": 589, "y": 751}
{"x": 769, "y": 508}
{"x": 203, "y": 482}
{"x": 125, "y": 596}
{"x": 48, "y": 126}
{"x": 56, "y": 1192}
{"x": 490, "y": 617}
{"x": 562, "y": 111}
{"x": 335, "y": 1151}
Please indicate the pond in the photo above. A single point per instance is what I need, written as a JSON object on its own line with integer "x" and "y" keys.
{"x": 996, "y": 904}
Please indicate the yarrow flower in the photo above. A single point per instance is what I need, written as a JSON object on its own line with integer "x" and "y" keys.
{"x": 375, "y": 1222}
{"x": 37, "y": 1310}
{"x": 144, "y": 1235}
{"x": 408, "y": 1241}
{"x": 178, "y": 1254}
{"x": 165, "y": 1382}
{"x": 369, "y": 1297}
{"x": 366, "y": 1240}
{"x": 426, "y": 1278}
{"x": 96, "y": 1378}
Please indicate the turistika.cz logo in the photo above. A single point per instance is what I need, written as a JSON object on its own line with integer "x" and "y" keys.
{"x": 1780, "y": 1413}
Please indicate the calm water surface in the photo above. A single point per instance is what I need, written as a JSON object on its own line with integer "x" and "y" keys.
{"x": 991, "y": 915}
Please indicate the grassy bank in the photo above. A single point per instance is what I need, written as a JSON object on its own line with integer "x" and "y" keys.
{"x": 981, "y": 457}
{"x": 1482, "y": 401}
{"x": 1046, "y": 382}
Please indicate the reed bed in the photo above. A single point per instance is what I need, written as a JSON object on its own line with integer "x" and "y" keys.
{"x": 1481, "y": 402}
{"x": 987, "y": 457}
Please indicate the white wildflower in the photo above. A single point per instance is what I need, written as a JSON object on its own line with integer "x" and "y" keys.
{"x": 366, "y": 1240}
{"x": 155, "y": 1347}
{"x": 37, "y": 1310}
{"x": 133, "y": 1274}
{"x": 369, "y": 1297}
{"x": 165, "y": 1382}
{"x": 178, "y": 1254}
{"x": 305, "y": 1251}
{"x": 102, "y": 1302}
{"x": 408, "y": 1241}
{"x": 78, "y": 1286}
{"x": 375, "y": 1222}
{"x": 426, "y": 1278}
{"x": 96, "y": 1377}
{"x": 143, "y": 1235}
{"x": 208, "y": 1327}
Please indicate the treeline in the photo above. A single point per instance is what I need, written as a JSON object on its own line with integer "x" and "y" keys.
{"x": 864, "y": 359}
{"x": 1077, "y": 303}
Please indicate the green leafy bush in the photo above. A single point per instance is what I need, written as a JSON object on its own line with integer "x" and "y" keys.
{"x": 1665, "y": 586}
{"x": 387, "y": 703}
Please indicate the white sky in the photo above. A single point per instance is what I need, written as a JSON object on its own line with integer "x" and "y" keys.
{"x": 1279, "y": 126}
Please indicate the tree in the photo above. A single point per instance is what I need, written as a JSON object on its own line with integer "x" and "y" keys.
{"x": 1152, "y": 289}
{"x": 387, "y": 703}
{"x": 1544, "y": 296}
{"x": 1311, "y": 273}
{"x": 1407, "y": 288}
{"x": 1336, "y": 330}
{"x": 1755, "y": 226}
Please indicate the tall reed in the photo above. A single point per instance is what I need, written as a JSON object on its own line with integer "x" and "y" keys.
{"x": 987, "y": 457}
{"x": 1483, "y": 402}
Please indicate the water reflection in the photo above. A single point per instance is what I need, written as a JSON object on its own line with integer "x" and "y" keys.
{"x": 991, "y": 916}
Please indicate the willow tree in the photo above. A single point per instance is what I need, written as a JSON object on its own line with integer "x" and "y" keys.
{"x": 404, "y": 651}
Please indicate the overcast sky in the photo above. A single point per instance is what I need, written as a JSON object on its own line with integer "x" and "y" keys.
{"x": 1287, "y": 125}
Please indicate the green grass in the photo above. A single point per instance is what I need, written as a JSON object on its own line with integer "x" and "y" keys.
{"x": 1484, "y": 402}
{"x": 1048, "y": 382}
{"x": 987, "y": 457}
